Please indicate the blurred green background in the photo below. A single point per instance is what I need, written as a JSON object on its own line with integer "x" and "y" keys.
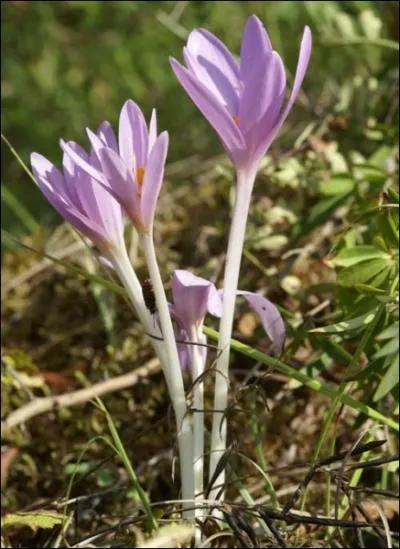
{"x": 68, "y": 65}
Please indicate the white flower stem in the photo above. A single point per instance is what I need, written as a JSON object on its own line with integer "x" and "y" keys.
{"x": 130, "y": 281}
{"x": 197, "y": 363}
{"x": 245, "y": 182}
{"x": 174, "y": 378}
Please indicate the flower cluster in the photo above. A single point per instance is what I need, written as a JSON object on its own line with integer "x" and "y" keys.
{"x": 120, "y": 179}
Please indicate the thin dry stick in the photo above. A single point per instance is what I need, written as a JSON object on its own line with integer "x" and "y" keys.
{"x": 45, "y": 404}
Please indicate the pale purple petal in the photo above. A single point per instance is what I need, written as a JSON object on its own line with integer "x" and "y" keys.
{"x": 270, "y": 318}
{"x": 263, "y": 93}
{"x": 107, "y": 136}
{"x": 93, "y": 200}
{"x": 49, "y": 178}
{"x": 120, "y": 183}
{"x": 214, "y": 66}
{"x": 255, "y": 46}
{"x": 96, "y": 142}
{"x": 73, "y": 177}
{"x": 152, "y": 130}
{"x": 82, "y": 161}
{"x": 83, "y": 186}
{"x": 109, "y": 210}
{"x": 255, "y": 95}
{"x": 183, "y": 349}
{"x": 216, "y": 114}
{"x": 261, "y": 135}
{"x": 52, "y": 185}
{"x": 190, "y": 294}
{"x": 153, "y": 180}
{"x": 211, "y": 52}
{"x": 133, "y": 136}
{"x": 215, "y": 305}
{"x": 302, "y": 65}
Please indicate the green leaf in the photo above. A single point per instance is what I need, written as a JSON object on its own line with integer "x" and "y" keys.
{"x": 394, "y": 195}
{"x": 367, "y": 289}
{"x": 370, "y": 23}
{"x": 39, "y": 519}
{"x": 392, "y": 346}
{"x": 311, "y": 382}
{"x": 384, "y": 226}
{"x": 378, "y": 159}
{"x": 390, "y": 379}
{"x": 318, "y": 214}
{"x": 351, "y": 256}
{"x": 371, "y": 370}
{"x": 332, "y": 349}
{"x": 362, "y": 273}
{"x": 381, "y": 243}
{"x": 81, "y": 468}
{"x": 338, "y": 185}
{"x": 372, "y": 174}
{"x": 381, "y": 279}
{"x": 389, "y": 332}
{"x": 348, "y": 325}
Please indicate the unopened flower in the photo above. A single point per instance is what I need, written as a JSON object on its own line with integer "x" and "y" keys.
{"x": 80, "y": 199}
{"x": 132, "y": 170}
{"x": 244, "y": 102}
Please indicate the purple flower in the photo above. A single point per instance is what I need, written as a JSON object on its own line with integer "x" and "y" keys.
{"x": 132, "y": 170}
{"x": 242, "y": 101}
{"x": 80, "y": 199}
{"x": 194, "y": 297}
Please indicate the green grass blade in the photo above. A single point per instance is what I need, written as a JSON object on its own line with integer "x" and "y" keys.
{"x": 19, "y": 210}
{"x": 128, "y": 465}
{"x": 116, "y": 288}
{"x": 313, "y": 384}
{"x": 19, "y": 159}
{"x": 261, "y": 460}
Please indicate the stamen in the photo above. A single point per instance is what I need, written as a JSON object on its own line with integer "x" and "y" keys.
{"x": 236, "y": 120}
{"x": 139, "y": 175}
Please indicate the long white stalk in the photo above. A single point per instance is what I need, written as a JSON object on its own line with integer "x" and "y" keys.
{"x": 197, "y": 363}
{"x": 245, "y": 182}
{"x": 130, "y": 281}
{"x": 173, "y": 377}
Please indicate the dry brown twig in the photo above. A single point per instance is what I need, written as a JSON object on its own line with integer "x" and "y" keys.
{"x": 46, "y": 404}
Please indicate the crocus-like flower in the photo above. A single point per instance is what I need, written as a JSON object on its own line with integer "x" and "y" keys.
{"x": 80, "y": 199}
{"x": 194, "y": 297}
{"x": 242, "y": 101}
{"x": 132, "y": 170}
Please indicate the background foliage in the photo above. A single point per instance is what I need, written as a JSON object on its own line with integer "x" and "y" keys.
{"x": 322, "y": 238}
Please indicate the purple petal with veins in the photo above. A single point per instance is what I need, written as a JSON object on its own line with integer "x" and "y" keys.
{"x": 153, "y": 180}
{"x": 270, "y": 317}
{"x": 216, "y": 113}
{"x": 256, "y": 45}
{"x": 107, "y": 136}
{"x": 190, "y": 296}
{"x": 133, "y": 136}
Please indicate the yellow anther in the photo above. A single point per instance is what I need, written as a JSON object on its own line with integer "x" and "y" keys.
{"x": 140, "y": 175}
